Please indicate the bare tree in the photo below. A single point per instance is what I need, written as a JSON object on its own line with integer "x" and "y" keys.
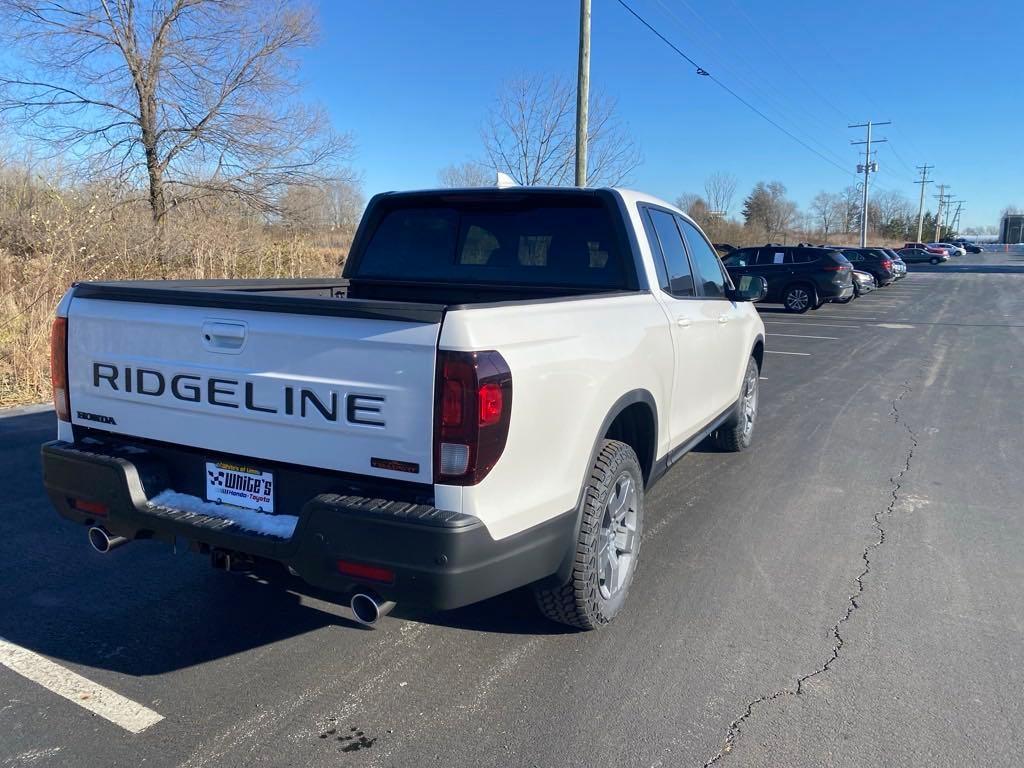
{"x": 849, "y": 203}
{"x": 719, "y": 191}
{"x": 892, "y": 206}
{"x": 187, "y": 99}
{"x": 690, "y": 202}
{"x": 530, "y": 135}
{"x": 334, "y": 206}
{"x": 825, "y": 210}
{"x": 468, "y": 174}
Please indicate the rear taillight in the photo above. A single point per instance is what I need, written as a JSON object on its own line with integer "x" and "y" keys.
{"x": 837, "y": 268}
{"x": 474, "y": 405}
{"x": 886, "y": 263}
{"x": 59, "y": 368}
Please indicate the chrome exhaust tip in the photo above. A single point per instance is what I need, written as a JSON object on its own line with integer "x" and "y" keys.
{"x": 103, "y": 541}
{"x": 368, "y": 609}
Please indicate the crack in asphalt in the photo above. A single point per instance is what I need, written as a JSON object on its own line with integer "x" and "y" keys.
{"x": 896, "y": 481}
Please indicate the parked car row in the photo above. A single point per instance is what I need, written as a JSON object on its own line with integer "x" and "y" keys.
{"x": 805, "y": 276}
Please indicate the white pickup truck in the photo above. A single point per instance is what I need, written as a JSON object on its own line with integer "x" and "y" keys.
{"x": 479, "y": 403}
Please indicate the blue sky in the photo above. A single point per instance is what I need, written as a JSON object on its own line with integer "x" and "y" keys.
{"x": 412, "y": 80}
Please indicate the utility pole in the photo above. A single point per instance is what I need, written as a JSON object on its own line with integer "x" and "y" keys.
{"x": 920, "y": 206}
{"x": 868, "y": 167}
{"x": 949, "y": 213}
{"x": 583, "y": 94}
{"x": 938, "y": 213}
{"x": 956, "y": 216}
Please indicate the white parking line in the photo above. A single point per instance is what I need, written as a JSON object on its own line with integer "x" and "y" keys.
{"x": 777, "y": 352}
{"x": 85, "y": 693}
{"x": 798, "y": 336}
{"x": 838, "y": 316}
{"x": 821, "y": 325}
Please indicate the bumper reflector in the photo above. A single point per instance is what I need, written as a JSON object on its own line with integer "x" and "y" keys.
{"x": 90, "y": 507}
{"x": 367, "y": 572}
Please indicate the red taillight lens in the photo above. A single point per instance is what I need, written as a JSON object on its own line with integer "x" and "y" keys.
{"x": 837, "y": 268}
{"x": 59, "y": 368}
{"x": 886, "y": 263}
{"x": 474, "y": 406}
{"x": 366, "y": 572}
{"x": 490, "y": 401}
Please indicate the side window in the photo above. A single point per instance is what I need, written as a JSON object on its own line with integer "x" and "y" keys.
{"x": 680, "y": 279}
{"x": 769, "y": 256}
{"x": 705, "y": 261}
{"x": 741, "y": 258}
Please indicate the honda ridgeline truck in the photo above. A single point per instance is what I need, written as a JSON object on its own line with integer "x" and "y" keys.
{"x": 479, "y": 403}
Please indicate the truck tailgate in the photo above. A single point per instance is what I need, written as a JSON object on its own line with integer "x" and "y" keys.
{"x": 352, "y": 394}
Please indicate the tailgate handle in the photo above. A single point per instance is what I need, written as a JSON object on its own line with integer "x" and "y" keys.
{"x": 224, "y": 336}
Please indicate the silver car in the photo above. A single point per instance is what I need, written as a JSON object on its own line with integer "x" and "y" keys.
{"x": 863, "y": 282}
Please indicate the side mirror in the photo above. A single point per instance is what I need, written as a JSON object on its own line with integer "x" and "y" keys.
{"x": 750, "y": 288}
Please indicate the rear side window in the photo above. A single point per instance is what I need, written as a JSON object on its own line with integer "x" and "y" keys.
{"x": 680, "y": 278}
{"x": 769, "y": 256}
{"x": 805, "y": 255}
{"x": 531, "y": 244}
{"x": 705, "y": 261}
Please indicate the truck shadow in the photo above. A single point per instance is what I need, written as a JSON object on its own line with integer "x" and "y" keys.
{"x": 140, "y": 610}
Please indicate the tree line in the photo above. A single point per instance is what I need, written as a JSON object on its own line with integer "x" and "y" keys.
{"x": 766, "y": 212}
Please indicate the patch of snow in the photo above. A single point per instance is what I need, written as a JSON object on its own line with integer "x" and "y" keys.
{"x": 281, "y": 526}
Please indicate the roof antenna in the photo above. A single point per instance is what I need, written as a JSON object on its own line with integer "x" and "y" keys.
{"x": 504, "y": 181}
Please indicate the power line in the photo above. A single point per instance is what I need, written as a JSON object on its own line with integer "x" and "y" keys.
{"x": 899, "y": 157}
{"x": 764, "y": 89}
{"x": 750, "y": 23}
{"x": 704, "y": 73}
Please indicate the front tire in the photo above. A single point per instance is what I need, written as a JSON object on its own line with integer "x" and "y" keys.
{"x": 737, "y": 434}
{"x": 798, "y": 299}
{"x": 933, "y": 261}
{"x": 608, "y": 544}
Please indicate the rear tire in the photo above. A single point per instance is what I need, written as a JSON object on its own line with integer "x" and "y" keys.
{"x": 798, "y": 298}
{"x": 608, "y": 544}
{"x": 737, "y": 434}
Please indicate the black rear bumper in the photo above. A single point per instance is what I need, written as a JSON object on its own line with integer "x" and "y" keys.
{"x": 439, "y": 559}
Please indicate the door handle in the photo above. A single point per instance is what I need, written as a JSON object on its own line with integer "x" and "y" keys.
{"x": 223, "y": 336}
{"x": 683, "y": 322}
{"x": 723, "y": 319}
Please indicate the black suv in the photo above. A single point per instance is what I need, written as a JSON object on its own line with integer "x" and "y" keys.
{"x": 800, "y": 277}
{"x": 873, "y": 260}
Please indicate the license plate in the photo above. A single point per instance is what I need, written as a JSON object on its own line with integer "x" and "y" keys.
{"x": 239, "y": 485}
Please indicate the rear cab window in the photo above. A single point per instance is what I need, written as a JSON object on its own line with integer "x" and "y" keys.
{"x": 528, "y": 239}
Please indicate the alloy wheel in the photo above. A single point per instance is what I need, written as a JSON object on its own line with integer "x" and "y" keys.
{"x": 618, "y": 536}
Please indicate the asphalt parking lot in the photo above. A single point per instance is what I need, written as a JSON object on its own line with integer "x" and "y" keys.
{"x": 846, "y": 593}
